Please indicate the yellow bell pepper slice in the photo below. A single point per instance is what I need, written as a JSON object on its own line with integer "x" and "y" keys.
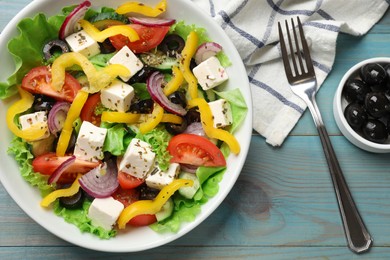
{"x": 208, "y": 125}
{"x": 151, "y": 206}
{"x": 140, "y": 8}
{"x": 175, "y": 82}
{"x": 72, "y": 190}
{"x": 36, "y": 131}
{"x": 73, "y": 114}
{"x": 186, "y": 56}
{"x": 120, "y": 117}
{"x": 101, "y": 36}
{"x": 153, "y": 120}
{"x": 171, "y": 118}
{"x": 97, "y": 79}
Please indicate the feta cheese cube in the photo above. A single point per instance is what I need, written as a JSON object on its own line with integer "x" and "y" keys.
{"x": 222, "y": 113}
{"x": 28, "y": 120}
{"x": 89, "y": 143}
{"x": 210, "y": 73}
{"x": 138, "y": 159}
{"x": 118, "y": 96}
{"x": 128, "y": 59}
{"x": 157, "y": 178}
{"x": 104, "y": 212}
{"x": 82, "y": 43}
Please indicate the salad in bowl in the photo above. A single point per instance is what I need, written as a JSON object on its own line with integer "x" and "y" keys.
{"x": 128, "y": 121}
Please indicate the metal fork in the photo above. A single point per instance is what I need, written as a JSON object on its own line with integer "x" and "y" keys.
{"x": 303, "y": 83}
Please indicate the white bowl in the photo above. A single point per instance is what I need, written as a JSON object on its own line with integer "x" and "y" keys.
{"x": 136, "y": 239}
{"x": 339, "y": 104}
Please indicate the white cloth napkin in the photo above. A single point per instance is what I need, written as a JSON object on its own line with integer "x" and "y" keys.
{"x": 252, "y": 26}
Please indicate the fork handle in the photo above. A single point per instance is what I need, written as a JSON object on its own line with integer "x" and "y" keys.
{"x": 358, "y": 237}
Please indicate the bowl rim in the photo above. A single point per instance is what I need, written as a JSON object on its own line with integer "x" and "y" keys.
{"x": 342, "y": 123}
{"x": 244, "y": 133}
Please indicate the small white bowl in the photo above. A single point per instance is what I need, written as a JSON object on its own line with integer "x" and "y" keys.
{"x": 339, "y": 104}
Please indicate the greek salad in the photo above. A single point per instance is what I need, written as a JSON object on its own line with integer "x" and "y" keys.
{"x": 122, "y": 120}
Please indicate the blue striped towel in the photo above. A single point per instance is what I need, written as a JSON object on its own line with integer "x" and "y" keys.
{"x": 252, "y": 26}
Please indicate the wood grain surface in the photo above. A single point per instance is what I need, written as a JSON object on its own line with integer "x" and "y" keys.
{"x": 283, "y": 205}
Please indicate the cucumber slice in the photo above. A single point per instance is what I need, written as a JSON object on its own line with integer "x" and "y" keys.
{"x": 159, "y": 61}
{"x": 189, "y": 192}
{"x": 106, "y": 19}
{"x": 166, "y": 210}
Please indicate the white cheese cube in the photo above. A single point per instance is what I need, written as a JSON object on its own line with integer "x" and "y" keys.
{"x": 82, "y": 43}
{"x": 222, "y": 113}
{"x": 89, "y": 143}
{"x": 128, "y": 59}
{"x": 104, "y": 212}
{"x": 210, "y": 73}
{"x": 158, "y": 179}
{"x": 138, "y": 159}
{"x": 28, "y": 120}
{"x": 118, "y": 96}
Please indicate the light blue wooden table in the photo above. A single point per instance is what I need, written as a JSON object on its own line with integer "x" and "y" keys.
{"x": 283, "y": 205}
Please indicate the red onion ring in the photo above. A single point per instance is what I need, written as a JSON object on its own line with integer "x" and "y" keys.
{"x": 100, "y": 185}
{"x": 152, "y": 21}
{"x": 153, "y": 84}
{"x": 61, "y": 169}
{"x": 70, "y": 24}
{"x": 188, "y": 168}
{"x": 195, "y": 128}
{"x": 57, "y": 116}
{"x": 206, "y": 50}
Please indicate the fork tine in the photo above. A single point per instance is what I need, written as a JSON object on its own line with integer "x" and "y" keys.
{"x": 306, "y": 51}
{"x": 296, "y": 72}
{"x": 298, "y": 50}
{"x": 283, "y": 49}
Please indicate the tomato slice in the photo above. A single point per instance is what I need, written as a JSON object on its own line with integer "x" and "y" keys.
{"x": 150, "y": 37}
{"x": 195, "y": 150}
{"x": 88, "y": 111}
{"x": 38, "y": 81}
{"x": 126, "y": 181}
{"x": 128, "y": 196}
{"x": 46, "y": 164}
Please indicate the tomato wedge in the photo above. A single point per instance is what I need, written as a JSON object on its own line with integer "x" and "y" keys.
{"x": 46, "y": 164}
{"x": 88, "y": 111}
{"x": 128, "y": 196}
{"x": 150, "y": 37}
{"x": 38, "y": 81}
{"x": 126, "y": 181}
{"x": 195, "y": 150}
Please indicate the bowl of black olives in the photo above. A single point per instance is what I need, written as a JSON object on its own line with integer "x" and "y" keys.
{"x": 362, "y": 105}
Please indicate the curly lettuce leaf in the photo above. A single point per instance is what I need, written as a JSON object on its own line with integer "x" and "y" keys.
{"x": 21, "y": 152}
{"x": 158, "y": 138}
{"x": 26, "y": 49}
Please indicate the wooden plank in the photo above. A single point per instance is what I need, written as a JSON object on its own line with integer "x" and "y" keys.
{"x": 183, "y": 252}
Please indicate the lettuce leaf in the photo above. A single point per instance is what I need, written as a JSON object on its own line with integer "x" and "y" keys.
{"x": 21, "y": 152}
{"x": 26, "y": 48}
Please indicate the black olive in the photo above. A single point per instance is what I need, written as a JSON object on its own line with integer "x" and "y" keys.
{"x": 355, "y": 90}
{"x": 193, "y": 64}
{"x": 171, "y": 45}
{"x": 73, "y": 202}
{"x": 375, "y": 131}
{"x": 373, "y": 74}
{"x": 43, "y": 103}
{"x": 178, "y": 97}
{"x": 54, "y": 46}
{"x": 72, "y": 142}
{"x": 377, "y": 104}
{"x": 147, "y": 193}
{"x": 176, "y": 129}
{"x": 192, "y": 116}
{"x": 142, "y": 106}
{"x": 355, "y": 115}
{"x": 106, "y": 47}
{"x": 141, "y": 75}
